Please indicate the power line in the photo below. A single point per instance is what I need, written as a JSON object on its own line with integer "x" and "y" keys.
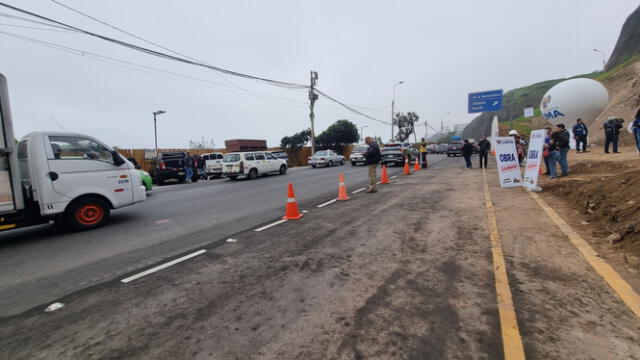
{"x": 157, "y": 53}
{"x": 147, "y": 69}
{"x": 182, "y": 59}
{"x": 351, "y": 108}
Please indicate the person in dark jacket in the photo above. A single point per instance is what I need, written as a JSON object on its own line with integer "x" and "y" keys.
{"x": 546, "y": 150}
{"x": 372, "y": 158}
{"x": 580, "y": 132}
{"x": 484, "y": 146}
{"x": 467, "y": 151}
{"x": 559, "y": 148}
{"x": 188, "y": 168}
{"x": 612, "y": 133}
{"x": 635, "y": 127}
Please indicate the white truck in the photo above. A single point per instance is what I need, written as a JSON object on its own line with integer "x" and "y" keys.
{"x": 60, "y": 176}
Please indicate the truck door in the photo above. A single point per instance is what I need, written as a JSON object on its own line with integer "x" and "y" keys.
{"x": 80, "y": 165}
{"x": 261, "y": 163}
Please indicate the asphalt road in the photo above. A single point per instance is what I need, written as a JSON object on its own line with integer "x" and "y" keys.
{"x": 43, "y": 263}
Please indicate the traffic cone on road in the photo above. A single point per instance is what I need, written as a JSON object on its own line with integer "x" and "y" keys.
{"x": 406, "y": 170}
{"x": 342, "y": 190}
{"x": 292, "y": 212}
{"x": 416, "y": 166}
{"x": 384, "y": 179}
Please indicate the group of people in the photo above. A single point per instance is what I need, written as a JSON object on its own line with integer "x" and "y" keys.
{"x": 484, "y": 147}
{"x": 190, "y": 164}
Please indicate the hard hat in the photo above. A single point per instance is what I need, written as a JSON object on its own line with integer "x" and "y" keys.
{"x": 513, "y": 132}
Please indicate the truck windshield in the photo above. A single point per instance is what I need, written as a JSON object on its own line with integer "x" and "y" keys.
{"x": 231, "y": 158}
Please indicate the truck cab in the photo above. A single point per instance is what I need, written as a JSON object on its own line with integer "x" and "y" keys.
{"x": 61, "y": 176}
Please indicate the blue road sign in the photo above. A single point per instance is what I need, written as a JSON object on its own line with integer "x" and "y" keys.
{"x": 485, "y": 101}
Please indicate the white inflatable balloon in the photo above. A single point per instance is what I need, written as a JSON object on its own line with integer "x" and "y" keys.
{"x": 573, "y": 99}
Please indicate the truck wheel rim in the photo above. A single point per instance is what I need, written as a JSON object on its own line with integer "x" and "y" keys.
{"x": 89, "y": 214}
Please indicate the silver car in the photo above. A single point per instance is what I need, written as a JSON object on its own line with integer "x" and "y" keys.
{"x": 326, "y": 158}
{"x": 356, "y": 155}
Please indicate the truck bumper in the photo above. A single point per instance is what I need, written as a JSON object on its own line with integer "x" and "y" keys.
{"x": 139, "y": 194}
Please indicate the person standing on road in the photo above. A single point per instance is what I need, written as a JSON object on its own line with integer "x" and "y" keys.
{"x": 484, "y": 146}
{"x": 546, "y": 153}
{"x": 467, "y": 151}
{"x": 372, "y": 158}
{"x": 612, "y": 134}
{"x": 188, "y": 168}
{"x": 423, "y": 153}
{"x": 559, "y": 148}
{"x": 580, "y": 132}
{"x": 636, "y": 130}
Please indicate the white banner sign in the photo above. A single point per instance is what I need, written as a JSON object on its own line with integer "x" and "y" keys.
{"x": 507, "y": 159}
{"x": 528, "y": 112}
{"x": 534, "y": 159}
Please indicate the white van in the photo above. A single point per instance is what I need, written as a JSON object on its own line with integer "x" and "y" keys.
{"x": 213, "y": 164}
{"x": 252, "y": 164}
{"x": 61, "y": 176}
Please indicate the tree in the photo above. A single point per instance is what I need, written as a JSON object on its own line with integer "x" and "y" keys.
{"x": 296, "y": 141}
{"x": 202, "y": 144}
{"x": 340, "y": 133}
{"x": 406, "y": 125}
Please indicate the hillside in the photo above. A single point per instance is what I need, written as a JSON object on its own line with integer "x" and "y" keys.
{"x": 513, "y": 105}
{"x": 628, "y": 43}
{"x": 620, "y": 79}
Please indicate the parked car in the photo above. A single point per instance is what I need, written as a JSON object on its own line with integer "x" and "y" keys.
{"x": 252, "y": 165}
{"x": 326, "y": 158}
{"x": 454, "y": 148}
{"x": 169, "y": 166}
{"x": 213, "y": 164}
{"x": 442, "y": 148}
{"x": 356, "y": 155}
{"x": 281, "y": 154}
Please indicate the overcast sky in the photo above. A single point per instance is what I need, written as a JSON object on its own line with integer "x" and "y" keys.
{"x": 441, "y": 50}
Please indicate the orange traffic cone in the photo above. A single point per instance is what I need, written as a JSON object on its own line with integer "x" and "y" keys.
{"x": 406, "y": 170}
{"x": 342, "y": 190}
{"x": 416, "y": 166}
{"x": 292, "y": 212}
{"x": 384, "y": 179}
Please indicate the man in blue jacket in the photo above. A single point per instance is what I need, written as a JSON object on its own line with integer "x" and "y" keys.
{"x": 580, "y": 132}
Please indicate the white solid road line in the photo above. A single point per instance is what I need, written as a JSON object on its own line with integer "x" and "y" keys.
{"x": 163, "y": 266}
{"x": 270, "y": 225}
{"x": 359, "y": 190}
{"x": 327, "y": 203}
{"x": 394, "y": 176}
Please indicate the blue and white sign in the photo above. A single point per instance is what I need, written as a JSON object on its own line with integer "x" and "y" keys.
{"x": 485, "y": 101}
{"x": 507, "y": 160}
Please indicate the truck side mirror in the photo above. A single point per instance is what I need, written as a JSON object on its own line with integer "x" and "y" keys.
{"x": 117, "y": 159}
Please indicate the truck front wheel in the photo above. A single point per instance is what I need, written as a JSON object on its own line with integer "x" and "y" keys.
{"x": 87, "y": 213}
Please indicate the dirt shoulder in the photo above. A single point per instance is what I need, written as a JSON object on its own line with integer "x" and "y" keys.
{"x": 601, "y": 200}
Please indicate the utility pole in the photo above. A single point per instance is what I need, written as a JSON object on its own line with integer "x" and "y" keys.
{"x": 426, "y": 130}
{"x": 312, "y": 100}
{"x": 155, "y": 128}
{"x": 393, "y": 105}
{"x": 362, "y": 132}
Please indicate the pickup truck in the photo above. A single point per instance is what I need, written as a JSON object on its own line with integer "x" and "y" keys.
{"x": 60, "y": 176}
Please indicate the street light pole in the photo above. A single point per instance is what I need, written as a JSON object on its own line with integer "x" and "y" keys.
{"x": 362, "y": 132}
{"x": 393, "y": 104}
{"x": 155, "y": 128}
{"x": 442, "y": 122}
{"x": 604, "y": 62}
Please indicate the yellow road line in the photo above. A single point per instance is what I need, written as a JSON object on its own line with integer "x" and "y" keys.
{"x": 511, "y": 340}
{"x": 617, "y": 283}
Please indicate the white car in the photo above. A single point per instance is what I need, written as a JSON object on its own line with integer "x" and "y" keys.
{"x": 213, "y": 164}
{"x": 252, "y": 165}
{"x": 326, "y": 158}
{"x": 356, "y": 155}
